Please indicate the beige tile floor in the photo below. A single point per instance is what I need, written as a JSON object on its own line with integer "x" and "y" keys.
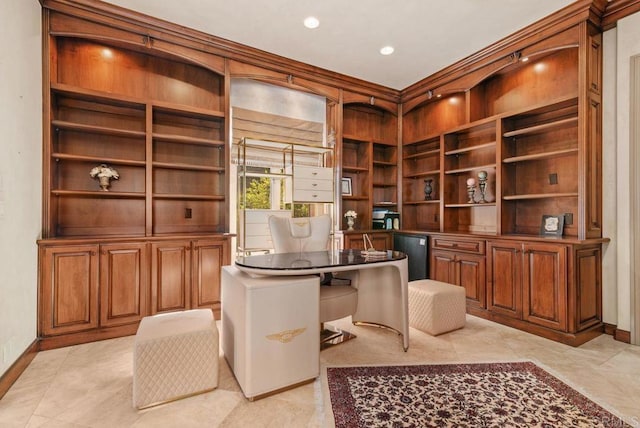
{"x": 90, "y": 385}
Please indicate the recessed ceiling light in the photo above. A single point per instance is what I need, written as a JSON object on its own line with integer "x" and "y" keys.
{"x": 311, "y": 22}
{"x": 387, "y": 50}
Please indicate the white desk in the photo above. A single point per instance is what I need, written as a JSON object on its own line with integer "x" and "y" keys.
{"x": 269, "y": 299}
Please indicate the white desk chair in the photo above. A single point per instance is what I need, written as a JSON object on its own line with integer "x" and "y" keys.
{"x": 301, "y": 234}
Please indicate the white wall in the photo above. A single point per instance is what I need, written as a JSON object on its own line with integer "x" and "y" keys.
{"x": 20, "y": 174}
{"x": 620, "y": 45}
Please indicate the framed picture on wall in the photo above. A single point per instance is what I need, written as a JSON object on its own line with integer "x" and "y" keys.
{"x": 552, "y": 225}
{"x": 346, "y": 187}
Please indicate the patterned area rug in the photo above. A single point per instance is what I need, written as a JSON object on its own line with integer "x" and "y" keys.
{"x": 459, "y": 395}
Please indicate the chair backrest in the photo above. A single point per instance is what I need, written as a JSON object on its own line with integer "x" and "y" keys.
{"x": 294, "y": 235}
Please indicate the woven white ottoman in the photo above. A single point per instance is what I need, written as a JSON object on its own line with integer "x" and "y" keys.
{"x": 175, "y": 356}
{"x": 436, "y": 307}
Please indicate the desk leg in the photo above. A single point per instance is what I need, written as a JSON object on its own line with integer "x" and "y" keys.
{"x": 383, "y": 297}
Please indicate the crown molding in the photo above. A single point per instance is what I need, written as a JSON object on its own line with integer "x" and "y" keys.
{"x": 618, "y": 9}
{"x": 119, "y": 17}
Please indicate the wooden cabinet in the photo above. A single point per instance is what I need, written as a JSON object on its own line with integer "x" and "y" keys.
{"x": 368, "y": 154}
{"x": 491, "y": 147}
{"x": 553, "y": 287}
{"x": 186, "y": 274}
{"x": 529, "y": 281}
{"x": 355, "y": 241}
{"x": 208, "y": 257}
{"x": 94, "y": 289}
{"x": 461, "y": 262}
{"x": 171, "y": 281}
{"x": 154, "y": 239}
{"x": 124, "y": 269}
{"x": 504, "y": 278}
{"x": 68, "y": 289}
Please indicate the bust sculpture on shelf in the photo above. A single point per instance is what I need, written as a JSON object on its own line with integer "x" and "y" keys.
{"x": 104, "y": 174}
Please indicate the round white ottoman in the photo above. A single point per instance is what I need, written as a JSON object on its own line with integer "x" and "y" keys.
{"x": 436, "y": 307}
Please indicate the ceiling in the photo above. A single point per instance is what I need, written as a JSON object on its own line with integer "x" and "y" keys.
{"x": 427, "y": 35}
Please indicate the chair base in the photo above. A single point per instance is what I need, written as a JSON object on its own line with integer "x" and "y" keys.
{"x": 331, "y": 336}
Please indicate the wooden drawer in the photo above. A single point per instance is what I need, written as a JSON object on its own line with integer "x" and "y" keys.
{"x": 304, "y": 195}
{"x": 312, "y": 184}
{"x": 465, "y": 245}
{"x": 313, "y": 172}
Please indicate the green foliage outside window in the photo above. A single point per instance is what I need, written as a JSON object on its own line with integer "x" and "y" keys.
{"x": 258, "y": 193}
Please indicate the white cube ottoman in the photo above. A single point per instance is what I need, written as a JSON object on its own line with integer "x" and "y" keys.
{"x": 436, "y": 307}
{"x": 175, "y": 356}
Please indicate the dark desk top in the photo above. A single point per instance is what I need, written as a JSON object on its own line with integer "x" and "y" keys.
{"x": 314, "y": 260}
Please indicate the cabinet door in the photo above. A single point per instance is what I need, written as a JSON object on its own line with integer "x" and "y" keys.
{"x": 443, "y": 266}
{"x": 69, "y": 289}
{"x": 504, "y": 278}
{"x": 208, "y": 259}
{"x": 471, "y": 275}
{"x": 588, "y": 288}
{"x": 545, "y": 285}
{"x": 170, "y": 276}
{"x": 380, "y": 241}
{"x": 123, "y": 283}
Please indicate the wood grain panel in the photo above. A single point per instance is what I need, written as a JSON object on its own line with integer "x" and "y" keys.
{"x": 123, "y": 283}
{"x": 69, "y": 289}
{"x": 208, "y": 259}
{"x": 504, "y": 272}
{"x": 545, "y": 285}
{"x": 588, "y": 286}
{"x": 170, "y": 285}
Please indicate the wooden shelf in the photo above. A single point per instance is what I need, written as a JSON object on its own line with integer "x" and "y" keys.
{"x": 423, "y": 174}
{"x": 384, "y": 185}
{"x": 187, "y": 140}
{"x": 433, "y": 138}
{"x": 471, "y": 168}
{"x": 540, "y": 196}
{"x": 383, "y": 163}
{"x": 423, "y": 154}
{"x": 355, "y": 198}
{"x": 542, "y": 128}
{"x": 349, "y": 168}
{"x": 99, "y": 96}
{"x": 187, "y": 166}
{"x": 99, "y": 194}
{"x": 470, "y": 149}
{"x": 486, "y": 204}
{"x": 385, "y": 204}
{"x": 540, "y": 156}
{"x": 431, "y": 201}
{"x": 63, "y": 124}
{"x": 81, "y": 158}
{"x": 353, "y": 137}
{"x": 186, "y": 110}
{"x": 188, "y": 197}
